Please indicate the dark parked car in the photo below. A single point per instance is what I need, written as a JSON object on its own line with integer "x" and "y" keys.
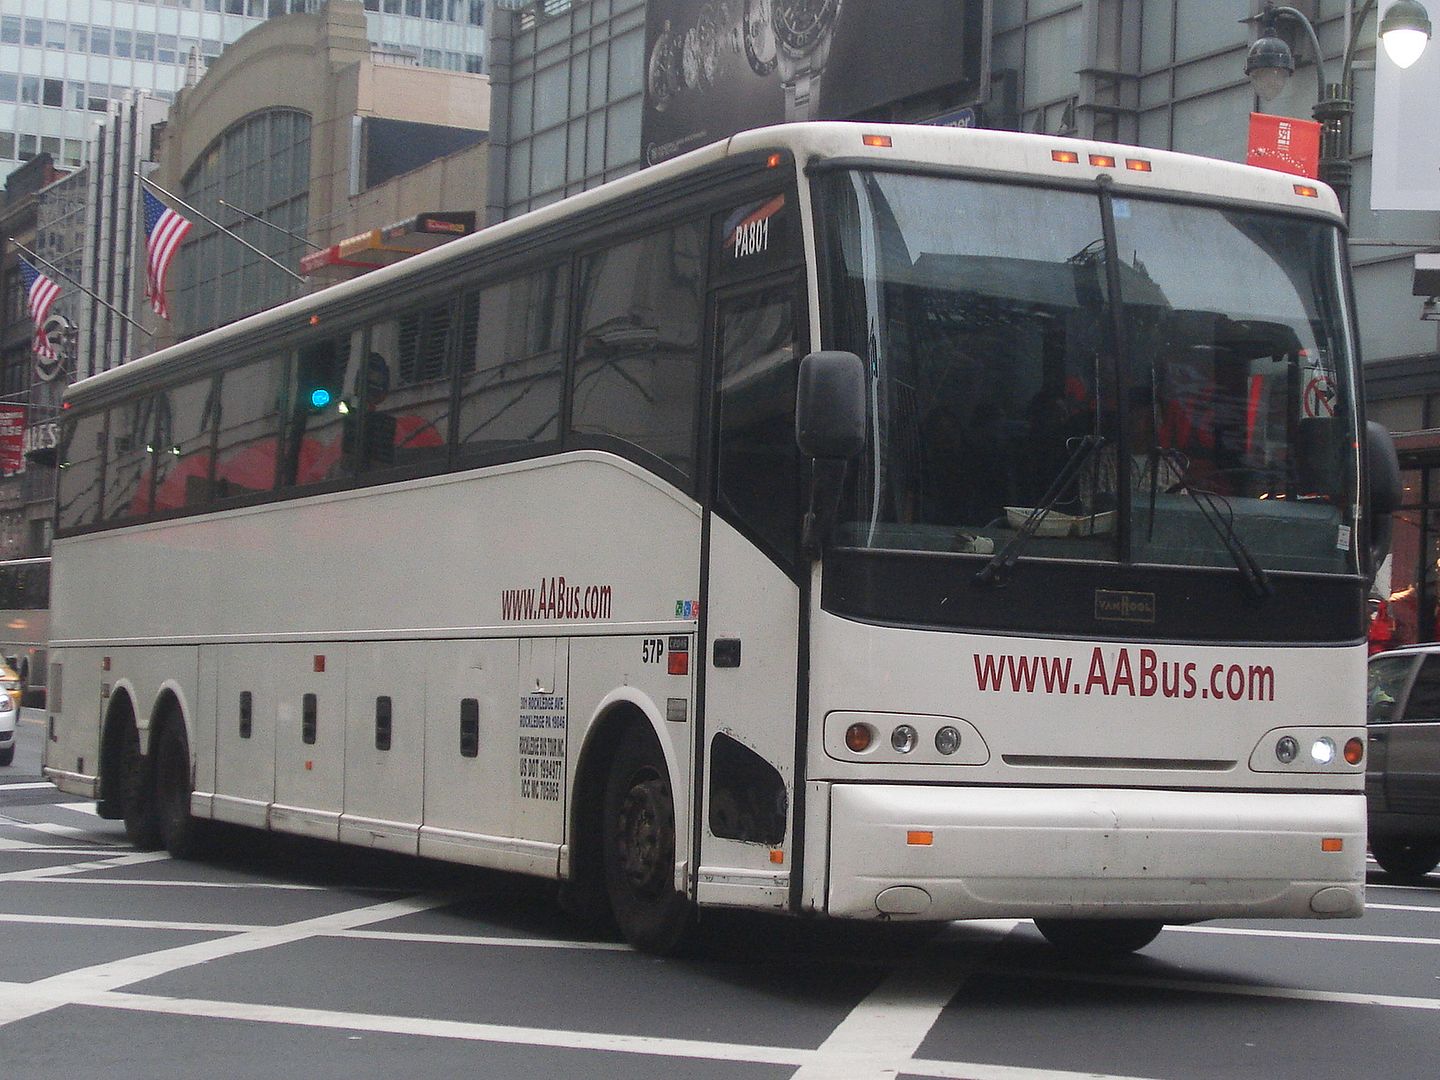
{"x": 1402, "y": 775}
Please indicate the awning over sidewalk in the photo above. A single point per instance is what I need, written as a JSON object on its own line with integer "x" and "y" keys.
{"x": 391, "y": 243}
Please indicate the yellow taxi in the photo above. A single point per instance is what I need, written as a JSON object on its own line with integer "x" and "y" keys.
{"x": 10, "y": 683}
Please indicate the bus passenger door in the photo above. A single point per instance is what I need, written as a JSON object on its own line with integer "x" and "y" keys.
{"x": 752, "y": 601}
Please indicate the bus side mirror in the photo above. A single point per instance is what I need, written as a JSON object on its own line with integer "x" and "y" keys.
{"x": 830, "y": 430}
{"x": 830, "y": 406}
{"x": 1386, "y": 490}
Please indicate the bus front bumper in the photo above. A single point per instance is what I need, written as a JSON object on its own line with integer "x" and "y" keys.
{"x": 939, "y": 853}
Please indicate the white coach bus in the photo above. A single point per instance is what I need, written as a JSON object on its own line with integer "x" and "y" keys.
{"x": 752, "y": 532}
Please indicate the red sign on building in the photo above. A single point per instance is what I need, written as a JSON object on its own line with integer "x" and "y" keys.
{"x": 1284, "y": 144}
{"x": 12, "y": 439}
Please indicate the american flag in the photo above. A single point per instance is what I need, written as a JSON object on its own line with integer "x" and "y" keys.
{"x": 164, "y": 230}
{"x": 40, "y": 296}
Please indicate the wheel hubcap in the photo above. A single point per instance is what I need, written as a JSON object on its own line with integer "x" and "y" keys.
{"x": 647, "y": 836}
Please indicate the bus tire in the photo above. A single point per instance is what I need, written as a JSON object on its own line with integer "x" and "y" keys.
{"x": 638, "y": 840}
{"x": 142, "y": 822}
{"x": 180, "y": 831}
{"x": 1406, "y": 860}
{"x": 1099, "y": 938}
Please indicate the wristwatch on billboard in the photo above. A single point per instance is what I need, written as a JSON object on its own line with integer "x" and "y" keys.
{"x": 759, "y": 37}
{"x": 803, "y": 29}
{"x": 665, "y": 76}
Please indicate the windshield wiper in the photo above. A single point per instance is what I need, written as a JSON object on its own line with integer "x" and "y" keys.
{"x": 1000, "y": 564}
{"x": 1205, "y": 501}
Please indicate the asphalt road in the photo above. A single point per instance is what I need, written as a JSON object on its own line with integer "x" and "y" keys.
{"x": 277, "y": 958}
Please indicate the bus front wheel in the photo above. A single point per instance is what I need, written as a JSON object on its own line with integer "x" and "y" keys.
{"x": 1098, "y": 938}
{"x": 639, "y": 846}
{"x": 142, "y": 822}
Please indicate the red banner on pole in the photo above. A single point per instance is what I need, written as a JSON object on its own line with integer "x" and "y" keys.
{"x": 12, "y": 439}
{"x": 1284, "y": 144}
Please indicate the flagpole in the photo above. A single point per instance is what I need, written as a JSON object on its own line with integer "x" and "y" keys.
{"x": 108, "y": 307}
{"x": 270, "y": 224}
{"x": 222, "y": 228}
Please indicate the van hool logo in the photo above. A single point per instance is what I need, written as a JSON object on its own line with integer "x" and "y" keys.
{"x": 1115, "y": 606}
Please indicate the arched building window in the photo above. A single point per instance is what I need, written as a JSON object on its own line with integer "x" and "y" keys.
{"x": 261, "y": 166}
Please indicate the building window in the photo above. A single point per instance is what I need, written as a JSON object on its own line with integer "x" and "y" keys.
{"x": 261, "y": 166}
{"x": 53, "y": 93}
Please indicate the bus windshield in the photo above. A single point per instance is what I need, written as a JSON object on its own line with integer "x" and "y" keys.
{"x": 1197, "y": 368}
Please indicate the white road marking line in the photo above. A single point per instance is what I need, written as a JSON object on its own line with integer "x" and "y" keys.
{"x": 1403, "y": 907}
{"x": 28, "y": 786}
{"x": 18, "y": 1001}
{"x": 490, "y": 941}
{"x": 42, "y": 873}
{"x": 80, "y": 807}
{"x": 180, "y": 883}
{"x": 893, "y": 1020}
{"x": 1222, "y": 989}
{"x": 1304, "y": 935}
{"x": 649, "y": 1045}
{"x": 68, "y": 831}
{"x": 129, "y": 924}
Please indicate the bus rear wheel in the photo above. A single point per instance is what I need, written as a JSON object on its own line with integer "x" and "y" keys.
{"x": 180, "y": 831}
{"x": 1406, "y": 860}
{"x": 1099, "y": 938}
{"x": 639, "y": 847}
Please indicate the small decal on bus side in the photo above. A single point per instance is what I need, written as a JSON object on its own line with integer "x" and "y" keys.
{"x": 542, "y": 746}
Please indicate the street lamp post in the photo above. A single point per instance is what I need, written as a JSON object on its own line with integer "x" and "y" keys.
{"x": 1404, "y": 31}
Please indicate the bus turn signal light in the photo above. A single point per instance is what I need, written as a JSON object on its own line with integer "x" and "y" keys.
{"x": 857, "y": 738}
{"x": 1332, "y": 844}
{"x": 919, "y": 838}
{"x": 1354, "y": 751}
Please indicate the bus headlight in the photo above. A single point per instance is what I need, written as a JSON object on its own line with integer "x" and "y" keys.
{"x": 1322, "y": 751}
{"x": 1286, "y": 749}
{"x": 903, "y": 739}
{"x": 947, "y": 740}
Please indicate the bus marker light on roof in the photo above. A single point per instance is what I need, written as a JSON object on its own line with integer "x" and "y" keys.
{"x": 1332, "y": 843}
{"x": 1354, "y": 751}
{"x": 1135, "y": 164}
{"x": 857, "y": 738}
{"x": 1102, "y": 161}
{"x": 1065, "y": 157}
{"x": 919, "y": 838}
{"x": 876, "y": 140}
{"x": 773, "y": 161}
{"x": 1308, "y": 191}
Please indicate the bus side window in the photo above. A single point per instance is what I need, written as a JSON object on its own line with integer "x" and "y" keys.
{"x": 81, "y": 459}
{"x": 248, "y": 428}
{"x": 407, "y": 389}
{"x": 637, "y": 360}
{"x": 182, "y": 450}
{"x": 130, "y": 460}
{"x": 512, "y": 363}
{"x": 323, "y": 395}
